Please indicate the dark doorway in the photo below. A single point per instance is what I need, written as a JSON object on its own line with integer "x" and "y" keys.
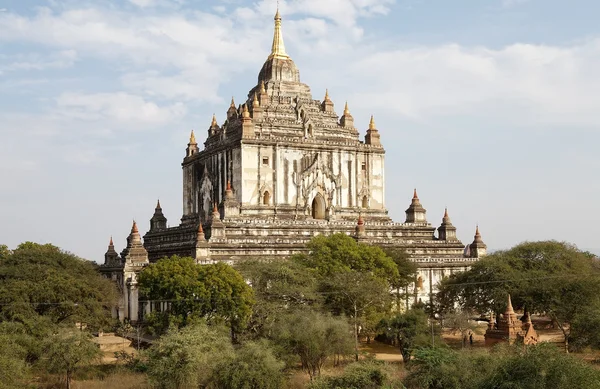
{"x": 318, "y": 207}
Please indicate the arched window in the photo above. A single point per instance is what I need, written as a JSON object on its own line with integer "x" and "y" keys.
{"x": 266, "y": 198}
{"x": 365, "y": 202}
{"x": 318, "y": 207}
{"x": 420, "y": 283}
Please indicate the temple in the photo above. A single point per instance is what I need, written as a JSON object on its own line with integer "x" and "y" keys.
{"x": 281, "y": 168}
{"x": 510, "y": 329}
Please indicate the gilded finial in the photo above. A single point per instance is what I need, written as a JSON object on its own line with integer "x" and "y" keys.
{"x": 192, "y": 138}
{"x": 245, "y": 112}
{"x": 158, "y": 204}
{"x": 214, "y": 121}
{"x": 372, "y": 124}
{"x": 111, "y": 242}
{"x": 262, "y": 87}
{"x": 228, "y": 185}
{"x": 134, "y": 228}
{"x": 232, "y": 105}
{"x": 326, "y": 94}
{"x": 255, "y": 102}
{"x": 278, "y": 47}
{"x": 346, "y": 110}
{"x": 415, "y": 194}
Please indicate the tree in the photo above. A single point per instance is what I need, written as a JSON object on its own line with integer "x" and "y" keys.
{"x": 339, "y": 252}
{"x": 357, "y": 295}
{"x": 13, "y": 354}
{"x": 358, "y": 375}
{"x": 68, "y": 349}
{"x": 460, "y": 321}
{"x": 408, "y": 330}
{"x": 254, "y": 366}
{"x": 279, "y": 287}
{"x": 214, "y": 292}
{"x": 313, "y": 337}
{"x": 187, "y": 357}
{"x": 548, "y": 277}
{"x": 407, "y": 273}
{"x": 39, "y": 282}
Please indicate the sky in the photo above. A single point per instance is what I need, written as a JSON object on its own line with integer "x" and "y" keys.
{"x": 488, "y": 107}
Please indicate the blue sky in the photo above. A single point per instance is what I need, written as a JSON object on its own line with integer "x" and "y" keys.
{"x": 489, "y": 107}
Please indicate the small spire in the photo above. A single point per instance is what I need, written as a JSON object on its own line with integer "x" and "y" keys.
{"x": 446, "y": 213}
{"x": 134, "y": 228}
{"x": 232, "y": 105}
{"x": 509, "y": 307}
{"x": 215, "y": 209}
{"x": 255, "y": 102}
{"x": 372, "y": 124}
{"x": 245, "y": 112}
{"x": 214, "y": 121}
{"x": 326, "y": 94}
{"x": 477, "y": 232}
{"x": 200, "y": 230}
{"x": 192, "y": 138}
{"x": 346, "y": 110}
{"x": 158, "y": 204}
{"x": 262, "y": 87}
{"x": 415, "y": 197}
{"x": 111, "y": 242}
{"x": 228, "y": 185}
{"x": 278, "y": 47}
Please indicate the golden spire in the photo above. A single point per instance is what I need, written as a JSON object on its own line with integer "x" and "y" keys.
{"x": 111, "y": 242}
{"x": 192, "y": 138}
{"x": 278, "y": 48}
{"x": 255, "y": 102}
{"x": 262, "y": 87}
{"x": 232, "y": 105}
{"x": 245, "y": 113}
{"x": 158, "y": 204}
{"x": 214, "y": 121}
{"x": 346, "y": 110}
{"x": 134, "y": 228}
{"x": 326, "y": 94}
{"x": 372, "y": 124}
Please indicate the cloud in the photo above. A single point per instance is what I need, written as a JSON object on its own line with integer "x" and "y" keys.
{"x": 34, "y": 61}
{"x": 512, "y": 3}
{"x": 120, "y": 107}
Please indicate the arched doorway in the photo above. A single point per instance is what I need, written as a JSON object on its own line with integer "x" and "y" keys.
{"x": 318, "y": 207}
{"x": 266, "y": 198}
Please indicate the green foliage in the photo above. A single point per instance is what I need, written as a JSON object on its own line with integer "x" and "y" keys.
{"x": 279, "y": 287}
{"x": 13, "y": 354}
{"x": 187, "y": 357}
{"x": 214, "y": 292}
{"x": 339, "y": 253}
{"x": 408, "y": 331}
{"x": 67, "y": 349}
{"x": 313, "y": 337}
{"x": 42, "y": 282}
{"x": 254, "y": 366}
{"x": 359, "y": 375}
{"x": 547, "y": 277}
{"x": 506, "y": 367}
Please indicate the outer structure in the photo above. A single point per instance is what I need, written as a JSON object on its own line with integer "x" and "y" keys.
{"x": 282, "y": 168}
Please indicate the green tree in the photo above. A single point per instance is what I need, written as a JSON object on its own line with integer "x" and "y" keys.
{"x": 460, "y": 322}
{"x": 339, "y": 252}
{"x": 313, "y": 337}
{"x": 408, "y": 331}
{"x": 253, "y": 367}
{"x": 214, "y": 292}
{"x": 279, "y": 286}
{"x": 39, "y": 282}
{"x": 358, "y": 295}
{"x": 13, "y": 357}
{"x": 407, "y": 274}
{"x": 358, "y": 375}
{"x": 68, "y": 349}
{"x": 187, "y": 357}
{"x": 551, "y": 278}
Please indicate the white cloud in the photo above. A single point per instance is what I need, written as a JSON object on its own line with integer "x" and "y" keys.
{"x": 142, "y": 3}
{"x": 119, "y": 107}
{"x": 34, "y": 61}
{"x": 512, "y": 3}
